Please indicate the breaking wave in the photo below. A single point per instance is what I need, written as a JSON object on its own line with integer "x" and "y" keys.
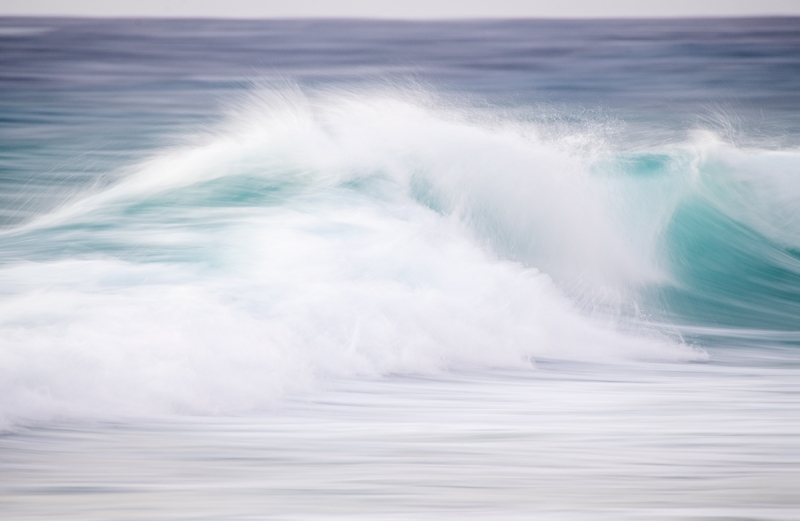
{"x": 325, "y": 235}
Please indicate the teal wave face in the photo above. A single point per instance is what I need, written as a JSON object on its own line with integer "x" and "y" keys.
{"x": 730, "y": 240}
{"x": 727, "y": 273}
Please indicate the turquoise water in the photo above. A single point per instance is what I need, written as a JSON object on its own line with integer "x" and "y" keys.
{"x": 384, "y": 270}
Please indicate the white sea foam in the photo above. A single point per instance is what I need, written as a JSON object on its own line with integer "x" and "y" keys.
{"x": 317, "y": 237}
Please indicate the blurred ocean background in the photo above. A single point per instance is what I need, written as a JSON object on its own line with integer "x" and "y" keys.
{"x": 400, "y": 270}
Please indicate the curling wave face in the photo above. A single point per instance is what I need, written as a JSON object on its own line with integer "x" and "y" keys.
{"x": 342, "y": 234}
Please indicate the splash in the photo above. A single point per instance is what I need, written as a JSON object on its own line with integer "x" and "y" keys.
{"x": 325, "y": 235}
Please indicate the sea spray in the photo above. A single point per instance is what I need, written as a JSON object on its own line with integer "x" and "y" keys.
{"x": 317, "y": 237}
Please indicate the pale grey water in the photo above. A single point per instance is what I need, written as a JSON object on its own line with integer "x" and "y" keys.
{"x": 567, "y": 441}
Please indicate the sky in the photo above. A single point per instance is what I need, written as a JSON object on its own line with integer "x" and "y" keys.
{"x": 413, "y": 9}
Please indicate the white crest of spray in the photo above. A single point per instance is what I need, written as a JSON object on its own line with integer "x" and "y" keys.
{"x": 318, "y": 236}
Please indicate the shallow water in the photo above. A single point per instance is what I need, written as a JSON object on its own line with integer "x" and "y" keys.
{"x": 304, "y": 270}
{"x": 562, "y": 442}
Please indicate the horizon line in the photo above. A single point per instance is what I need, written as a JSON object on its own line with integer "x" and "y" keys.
{"x": 400, "y": 19}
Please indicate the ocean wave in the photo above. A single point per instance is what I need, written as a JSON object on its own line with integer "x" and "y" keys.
{"x": 344, "y": 234}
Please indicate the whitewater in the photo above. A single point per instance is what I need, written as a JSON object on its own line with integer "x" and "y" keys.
{"x": 324, "y": 287}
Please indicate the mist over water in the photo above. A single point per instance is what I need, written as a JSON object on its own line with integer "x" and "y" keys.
{"x": 399, "y": 270}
